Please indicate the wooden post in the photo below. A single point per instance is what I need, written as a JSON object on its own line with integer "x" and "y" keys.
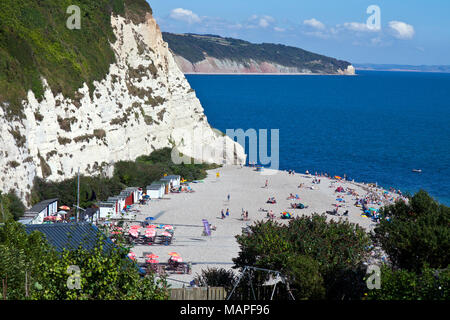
{"x": 4, "y": 285}
{"x": 26, "y": 283}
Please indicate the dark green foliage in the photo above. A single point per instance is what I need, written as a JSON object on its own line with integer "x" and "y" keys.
{"x": 417, "y": 234}
{"x": 92, "y": 190}
{"x": 322, "y": 259}
{"x": 15, "y": 206}
{"x": 162, "y": 159}
{"x": 405, "y": 285}
{"x": 304, "y": 274}
{"x": 193, "y": 48}
{"x": 11, "y": 208}
{"x": 20, "y": 258}
{"x": 28, "y": 261}
{"x": 215, "y": 277}
{"x": 139, "y": 173}
{"x": 416, "y": 237}
{"x": 35, "y": 43}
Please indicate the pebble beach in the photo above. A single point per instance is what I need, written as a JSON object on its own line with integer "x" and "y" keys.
{"x": 247, "y": 190}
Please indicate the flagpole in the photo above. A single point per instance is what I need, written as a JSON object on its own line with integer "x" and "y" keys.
{"x": 78, "y": 194}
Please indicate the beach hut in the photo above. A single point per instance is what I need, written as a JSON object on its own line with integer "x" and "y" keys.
{"x": 136, "y": 193}
{"x": 39, "y": 211}
{"x": 107, "y": 209}
{"x": 155, "y": 191}
{"x": 128, "y": 195}
{"x": 174, "y": 180}
{"x": 120, "y": 203}
{"x": 166, "y": 185}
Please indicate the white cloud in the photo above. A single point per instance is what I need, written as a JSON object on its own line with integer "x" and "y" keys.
{"x": 401, "y": 30}
{"x": 265, "y": 21}
{"x": 260, "y": 21}
{"x": 185, "y": 15}
{"x": 314, "y": 23}
{"x": 278, "y": 29}
{"x": 359, "y": 27}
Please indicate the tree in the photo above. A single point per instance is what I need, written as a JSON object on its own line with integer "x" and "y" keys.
{"x": 304, "y": 274}
{"x": 20, "y": 259}
{"x": 416, "y": 234}
{"x": 16, "y": 207}
{"x": 32, "y": 269}
{"x": 407, "y": 285}
{"x": 332, "y": 252}
{"x": 215, "y": 277}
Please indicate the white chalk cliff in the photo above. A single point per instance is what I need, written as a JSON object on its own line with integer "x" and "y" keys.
{"x": 144, "y": 103}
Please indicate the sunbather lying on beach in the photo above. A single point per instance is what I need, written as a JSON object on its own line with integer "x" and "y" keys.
{"x": 334, "y": 212}
{"x": 298, "y": 206}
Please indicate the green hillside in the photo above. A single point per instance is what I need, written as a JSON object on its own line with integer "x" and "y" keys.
{"x": 35, "y": 42}
{"x": 193, "y": 48}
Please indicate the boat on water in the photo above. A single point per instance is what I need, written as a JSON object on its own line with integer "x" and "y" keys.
{"x": 417, "y": 170}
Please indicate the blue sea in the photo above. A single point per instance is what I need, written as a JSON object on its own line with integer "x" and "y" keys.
{"x": 373, "y": 127}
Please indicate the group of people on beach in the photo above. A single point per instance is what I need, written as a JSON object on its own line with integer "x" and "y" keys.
{"x": 226, "y": 214}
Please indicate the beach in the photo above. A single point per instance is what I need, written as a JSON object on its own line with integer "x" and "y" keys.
{"x": 246, "y": 187}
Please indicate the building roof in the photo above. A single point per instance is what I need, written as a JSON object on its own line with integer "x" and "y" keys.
{"x": 37, "y": 208}
{"x": 107, "y": 204}
{"x": 70, "y": 235}
{"x": 173, "y": 177}
{"x": 89, "y": 213}
{"x": 155, "y": 187}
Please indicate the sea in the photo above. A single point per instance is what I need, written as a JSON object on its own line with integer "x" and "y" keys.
{"x": 374, "y": 127}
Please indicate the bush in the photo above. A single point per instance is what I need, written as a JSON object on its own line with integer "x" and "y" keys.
{"x": 322, "y": 259}
{"x": 106, "y": 274}
{"x": 429, "y": 284}
{"x": 215, "y": 277}
{"x": 416, "y": 234}
{"x": 12, "y": 206}
{"x": 139, "y": 173}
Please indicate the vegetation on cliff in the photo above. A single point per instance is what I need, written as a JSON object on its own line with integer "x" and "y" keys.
{"x": 35, "y": 43}
{"x": 195, "y": 48}
{"x": 139, "y": 173}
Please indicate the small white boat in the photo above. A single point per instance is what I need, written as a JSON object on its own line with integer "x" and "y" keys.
{"x": 417, "y": 170}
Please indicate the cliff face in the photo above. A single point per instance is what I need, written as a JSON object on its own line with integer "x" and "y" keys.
{"x": 212, "y": 65}
{"x": 143, "y": 103}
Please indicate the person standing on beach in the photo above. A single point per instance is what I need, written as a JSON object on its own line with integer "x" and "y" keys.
{"x": 223, "y": 215}
{"x": 267, "y": 184}
{"x": 228, "y": 197}
{"x": 228, "y": 212}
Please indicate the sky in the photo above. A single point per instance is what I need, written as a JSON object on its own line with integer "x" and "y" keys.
{"x": 412, "y": 32}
